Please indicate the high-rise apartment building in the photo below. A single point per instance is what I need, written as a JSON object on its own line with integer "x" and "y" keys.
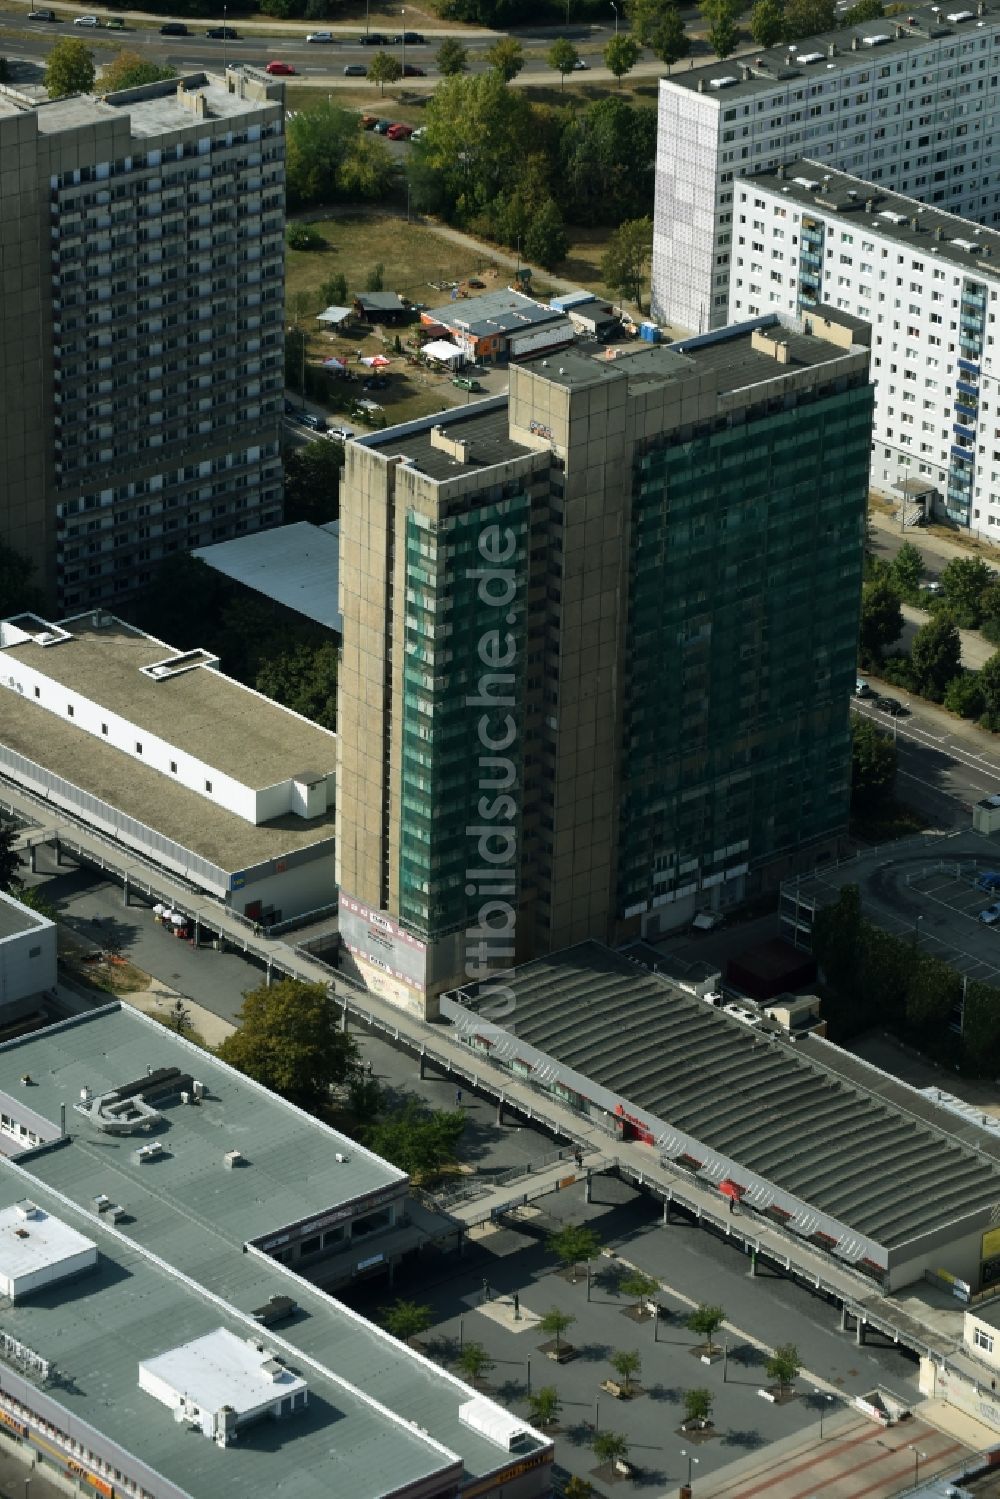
{"x": 928, "y": 284}
{"x": 599, "y": 644}
{"x": 141, "y": 325}
{"x": 912, "y": 103}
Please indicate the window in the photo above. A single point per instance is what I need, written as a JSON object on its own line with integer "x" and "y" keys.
{"x": 208, "y": 785}
{"x": 983, "y": 1340}
{"x": 70, "y": 710}
{"x": 104, "y": 728}
{"x": 173, "y": 767}
{"x": 38, "y": 692}
{"x": 138, "y": 747}
{"x": 34, "y": 952}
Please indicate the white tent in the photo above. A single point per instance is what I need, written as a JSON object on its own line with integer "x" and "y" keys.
{"x": 443, "y": 352}
{"x": 334, "y": 315}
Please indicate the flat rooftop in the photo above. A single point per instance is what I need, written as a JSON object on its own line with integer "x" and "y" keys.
{"x": 220, "y": 1369}
{"x": 812, "y": 61}
{"x": 502, "y": 311}
{"x": 197, "y": 1215}
{"x": 15, "y": 918}
{"x": 483, "y": 425}
{"x": 836, "y": 1134}
{"x": 906, "y": 221}
{"x": 202, "y": 711}
{"x": 32, "y": 1240}
{"x": 292, "y": 1169}
{"x": 153, "y": 799}
{"x": 297, "y": 566}
{"x": 151, "y": 110}
{"x": 96, "y": 1331}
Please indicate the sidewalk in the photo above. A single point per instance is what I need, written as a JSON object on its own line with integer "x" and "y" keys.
{"x": 976, "y": 650}
{"x": 931, "y": 543}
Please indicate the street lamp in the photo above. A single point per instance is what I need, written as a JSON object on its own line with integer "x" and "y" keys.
{"x": 916, "y": 930}
{"x": 615, "y": 9}
{"x": 403, "y": 38}
{"x": 828, "y": 1399}
{"x": 692, "y": 1462}
{"x": 917, "y": 1455}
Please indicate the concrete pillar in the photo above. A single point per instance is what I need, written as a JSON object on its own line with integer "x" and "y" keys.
{"x": 859, "y": 1333}
{"x": 421, "y": 1059}
{"x": 268, "y": 973}
{"x": 753, "y": 1263}
{"x": 58, "y": 851}
{"x": 196, "y": 932}
{"x": 343, "y": 1027}
{"x": 392, "y": 1272}
{"x": 34, "y": 858}
{"x": 587, "y": 1188}
{"x": 500, "y": 1109}
{"x": 666, "y": 1209}
{"x": 844, "y": 1317}
{"x": 125, "y": 890}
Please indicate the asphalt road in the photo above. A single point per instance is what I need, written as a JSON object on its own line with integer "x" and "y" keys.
{"x": 940, "y": 774}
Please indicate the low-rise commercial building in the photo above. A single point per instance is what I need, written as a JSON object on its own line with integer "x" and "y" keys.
{"x": 158, "y": 748}
{"x": 501, "y": 325}
{"x": 27, "y": 956}
{"x": 807, "y": 239}
{"x": 200, "y": 1202}
{"x": 855, "y": 1164}
{"x": 294, "y": 565}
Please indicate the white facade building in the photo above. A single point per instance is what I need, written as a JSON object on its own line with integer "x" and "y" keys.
{"x": 220, "y": 1382}
{"x": 911, "y": 103}
{"x": 928, "y": 283}
{"x": 27, "y": 955}
{"x": 38, "y": 1250}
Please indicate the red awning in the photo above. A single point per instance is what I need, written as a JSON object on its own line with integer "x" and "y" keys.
{"x": 732, "y": 1189}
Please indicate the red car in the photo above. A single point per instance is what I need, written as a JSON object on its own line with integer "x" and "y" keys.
{"x": 399, "y": 132}
{"x": 412, "y": 71}
{"x": 280, "y": 69}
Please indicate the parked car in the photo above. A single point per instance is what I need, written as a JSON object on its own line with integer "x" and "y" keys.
{"x": 356, "y": 70}
{"x": 411, "y": 38}
{"x": 412, "y": 71}
{"x": 368, "y": 122}
{"x": 991, "y": 915}
{"x": 42, "y": 15}
{"x": 339, "y": 434}
{"x": 382, "y": 127}
{"x": 320, "y": 36}
{"x": 890, "y": 705}
{"x": 86, "y": 21}
{"x": 113, "y": 23}
{"x": 399, "y": 132}
{"x": 930, "y": 587}
{"x": 988, "y": 880}
{"x": 418, "y": 134}
{"x": 313, "y": 422}
{"x": 280, "y": 70}
{"x": 174, "y": 28}
{"x": 581, "y": 65}
{"x": 223, "y": 33}
{"x": 707, "y": 921}
{"x": 862, "y": 689}
{"x": 373, "y": 39}
{"x": 464, "y": 383}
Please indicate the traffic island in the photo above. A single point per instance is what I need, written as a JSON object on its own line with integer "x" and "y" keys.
{"x": 698, "y": 1432}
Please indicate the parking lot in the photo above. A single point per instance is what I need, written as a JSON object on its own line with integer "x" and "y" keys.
{"x": 925, "y": 888}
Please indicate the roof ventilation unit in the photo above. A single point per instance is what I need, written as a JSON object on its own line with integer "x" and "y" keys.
{"x": 233, "y": 1158}
{"x": 342, "y": 1158}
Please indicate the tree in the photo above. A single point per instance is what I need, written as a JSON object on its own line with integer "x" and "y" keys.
{"x": 318, "y": 141}
{"x": 416, "y": 1139}
{"x": 837, "y": 938}
{"x": 578, "y": 1488}
{"x": 626, "y": 1364}
{"x": 783, "y": 1365}
{"x": 70, "y": 69}
{"x": 563, "y": 57}
{"x": 873, "y": 765}
{"x": 706, "y": 1319}
{"x": 936, "y": 655}
{"x": 629, "y": 252}
{"x": 333, "y": 293}
{"x": 606, "y": 161}
{"x": 288, "y": 1039}
{"x": 544, "y": 1405}
{"x": 621, "y": 55}
{"x": 32, "y": 896}
{"x": 474, "y": 1362}
{"x": 506, "y": 57}
{"x": 312, "y": 482}
{"x": 452, "y": 57}
{"x": 573, "y": 1245}
{"x": 406, "y": 1320}
{"x": 305, "y": 680}
{"x": 546, "y": 240}
{"x": 368, "y": 170}
{"x": 964, "y": 695}
{"x": 555, "y": 1323}
{"x": 669, "y": 40}
{"x": 808, "y": 18}
{"x": 638, "y": 1287}
{"x": 907, "y": 569}
{"x": 697, "y": 1407}
{"x": 865, "y": 10}
{"x": 300, "y": 237}
{"x": 881, "y": 619}
{"x": 17, "y": 589}
{"x": 385, "y": 68}
{"x": 767, "y": 22}
{"x": 609, "y": 1447}
{"x": 10, "y": 859}
{"x": 129, "y": 70}
{"x": 989, "y": 686}
{"x": 375, "y": 280}
{"x": 720, "y": 23}
{"x": 479, "y": 136}
{"x": 964, "y": 581}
